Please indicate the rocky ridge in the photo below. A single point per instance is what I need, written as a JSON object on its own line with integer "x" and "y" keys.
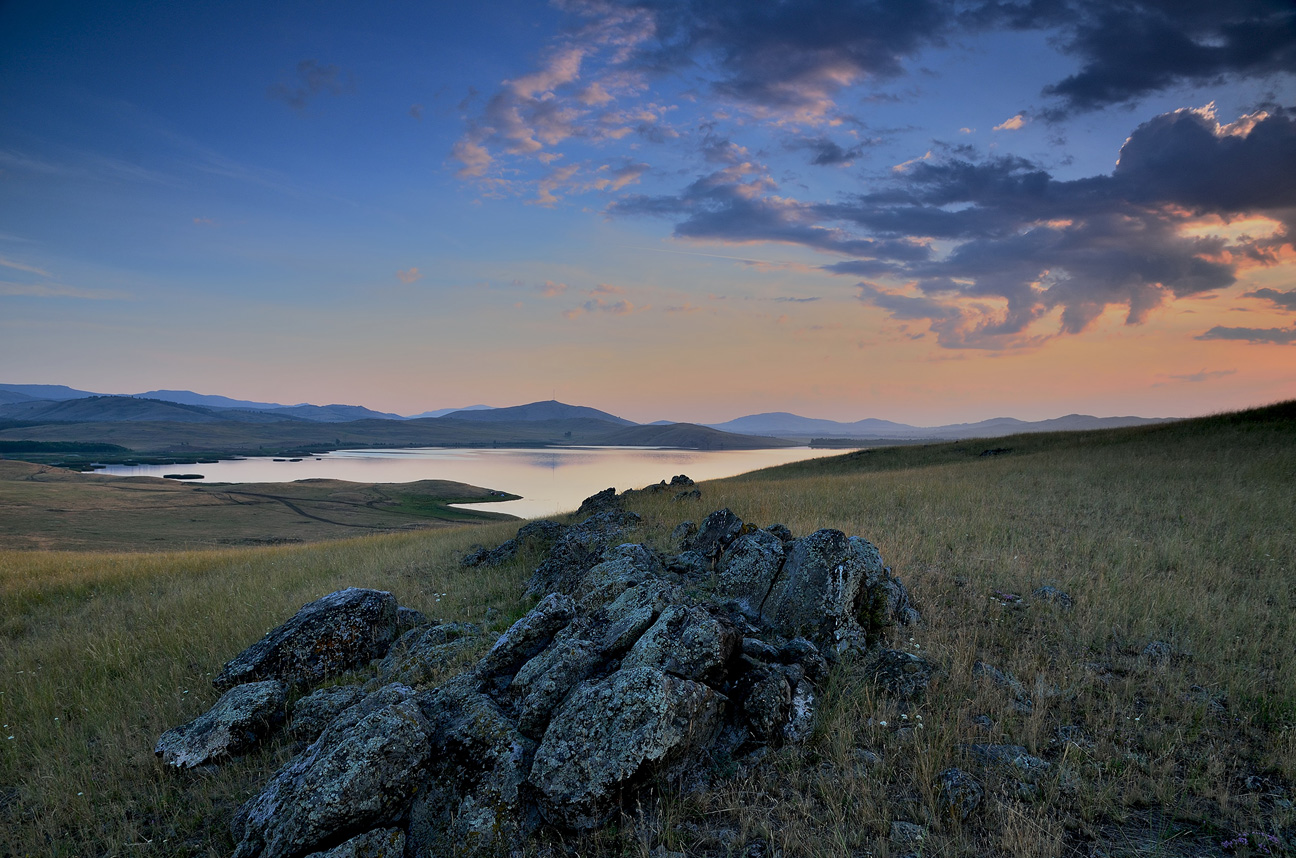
{"x": 633, "y": 666}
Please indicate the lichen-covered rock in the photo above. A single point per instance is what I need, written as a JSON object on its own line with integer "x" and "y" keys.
{"x": 325, "y": 638}
{"x": 767, "y": 705}
{"x": 528, "y": 636}
{"x": 471, "y": 801}
{"x": 683, "y": 532}
{"x": 686, "y": 641}
{"x": 235, "y": 724}
{"x": 421, "y": 653}
{"x": 716, "y": 532}
{"x": 352, "y": 779}
{"x": 959, "y": 793}
{"x": 617, "y": 626}
{"x": 818, "y": 591}
{"x": 748, "y": 570}
{"x": 532, "y": 534}
{"x": 901, "y": 674}
{"x": 599, "y": 502}
{"x": 312, "y": 713}
{"x": 579, "y": 549}
{"x": 617, "y": 732}
{"x": 885, "y": 603}
{"x": 622, "y": 567}
{"x": 545, "y": 680}
{"x": 380, "y": 843}
{"x": 1015, "y": 757}
{"x": 1053, "y": 595}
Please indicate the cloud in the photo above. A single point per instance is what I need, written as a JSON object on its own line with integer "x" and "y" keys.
{"x": 1142, "y": 47}
{"x": 1013, "y": 124}
{"x": 22, "y": 266}
{"x": 204, "y": 221}
{"x": 1280, "y": 336}
{"x": 1203, "y": 375}
{"x": 827, "y": 153}
{"x": 607, "y": 289}
{"x": 1285, "y": 300}
{"x": 550, "y": 289}
{"x": 311, "y": 79}
{"x": 791, "y": 300}
{"x": 598, "y": 305}
{"x": 408, "y": 276}
{"x": 416, "y": 111}
{"x": 54, "y": 290}
{"x": 1017, "y": 244}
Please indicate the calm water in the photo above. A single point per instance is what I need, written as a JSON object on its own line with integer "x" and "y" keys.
{"x": 550, "y": 481}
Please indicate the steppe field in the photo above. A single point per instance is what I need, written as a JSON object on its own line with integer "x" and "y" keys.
{"x": 1164, "y": 697}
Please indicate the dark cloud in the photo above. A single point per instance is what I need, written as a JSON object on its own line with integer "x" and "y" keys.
{"x": 1285, "y": 300}
{"x": 791, "y": 300}
{"x": 827, "y": 153}
{"x": 1129, "y": 50}
{"x": 1281, "y": 336}
{"x": 311, "y": 79}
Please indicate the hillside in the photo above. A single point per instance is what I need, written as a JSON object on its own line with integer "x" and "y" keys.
{"x": 1108, "y": 617}
{"x": 126, "y": 409}
{"x": 549, "y": 410}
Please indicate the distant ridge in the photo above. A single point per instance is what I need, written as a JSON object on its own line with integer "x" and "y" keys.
{"x": 547, "y": 410}
{"x": 442, "y": 412}
{"x": 188, "y": 397}
{"x": 57, "y": 392}
{"x": 783, "y": 424}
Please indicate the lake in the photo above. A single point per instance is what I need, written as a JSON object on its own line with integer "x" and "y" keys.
{"x": 550, "y": 480}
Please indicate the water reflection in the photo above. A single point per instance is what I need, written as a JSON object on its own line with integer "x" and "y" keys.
{"x": 551, "y": 480}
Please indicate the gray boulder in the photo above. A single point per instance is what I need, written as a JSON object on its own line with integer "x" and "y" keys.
{"x": 238, "y": 721}
{"x": 683, "y": 532}
{"x": 420, "y": 654}
{"x": 685, "y": 641}
{"x": 579, "y": 549}
{"x": 1015, "y": 757}
{"x": 615, "y": 733}
{"x": 542, "y": 683}
{"x": 901, "y": 674}
{"x": 768, "y": 704}
{"x": 748, "y": 570}
{"x": 959, "y": 793}
{"x": 718, "y": 530}
{"x": 380, "y": 843}
{"x": 622, "y": 567}
{"x": 312, "y": 713}
{"x": 472, "y": 799}
{"x": 1053, "y": 595}
{"x": 616, "y": 627}
{"x": 528, "y": 636}
{"x": 532, "y": 534}
{"x": 351, "y": 779}
{"x": 818, "y": 592}
{"x": 325, "y": 638}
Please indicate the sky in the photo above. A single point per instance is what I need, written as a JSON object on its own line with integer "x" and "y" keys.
{"x": 693, "y": 210}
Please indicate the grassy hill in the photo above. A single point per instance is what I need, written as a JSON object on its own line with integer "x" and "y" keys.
{"x": 1179, "y": 534}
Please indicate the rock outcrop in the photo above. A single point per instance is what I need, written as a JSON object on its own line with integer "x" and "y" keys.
{"x": 239, "y": 720}
{"x": 325, "y": 638}
{"x": 633, "y": 666}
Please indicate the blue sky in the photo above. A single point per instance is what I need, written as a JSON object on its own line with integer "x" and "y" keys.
{"x": 919, "y": 211}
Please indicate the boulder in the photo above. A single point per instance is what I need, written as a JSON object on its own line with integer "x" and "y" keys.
{"x": 324, "y": 639}
{"x": 818, "y": 592}
{"x": 685, "y": 641}
{"x": 901, "y": 674}
{"x": 683, "y": 532}
{"x": 767, "y": 704}
{"x": 617, "y": 626}
{"x": 718, "y": 530}
{"x": 528, "y": 636}
{"x": 885, "y": 603}
{"x": 579, "y": 549}
{"x": 542, "y": 683}
{"x": 471, "y": 800}
{"x": 600, "y": 502}
{"x": 312, "y": 713}
{"x": 748, "y": 570}
{"x": 615, "y": 733}
{"x": 622, "y": 567}
{"x": 1014, "y": 757}
{"x": 380, "y": 843}
{"x": 238, "y": 721}
{"x": 959, "y": 793}
{"x": 531, "y": 534}
{"x": 351, "y": 779}
{"x": 421, "y": 653}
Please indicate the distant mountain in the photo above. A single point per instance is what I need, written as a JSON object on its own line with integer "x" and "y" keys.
{"x": 687, "y": 435}
{"x": 8, "y": 397}
{"x": 188, "y": 397}
{"x": 442, "y": 412}
{"x": 333, "y": 413}
{"x": 48, "y": 391}
{"x": 783, "y": 424}
{"x": 550, "y": 410}
{"x": 128, "y": 409}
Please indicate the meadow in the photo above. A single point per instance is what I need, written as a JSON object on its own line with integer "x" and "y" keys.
{"x": 1179, "y": 535}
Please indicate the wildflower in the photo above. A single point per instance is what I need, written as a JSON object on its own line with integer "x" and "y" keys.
{"x": 882, "y": 723}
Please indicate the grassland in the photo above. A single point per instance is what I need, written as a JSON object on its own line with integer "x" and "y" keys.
{"x": 1181, "y": 533}
{"x": 51, "y": 508}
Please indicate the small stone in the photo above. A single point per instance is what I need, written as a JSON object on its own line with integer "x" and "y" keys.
{"x": 1049, "y": 593}
{"x": 960, "y": 794}
{"x": 906, "y": 835}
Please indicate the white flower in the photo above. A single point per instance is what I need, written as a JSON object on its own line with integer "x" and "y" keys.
{"x": 883, "y": 723}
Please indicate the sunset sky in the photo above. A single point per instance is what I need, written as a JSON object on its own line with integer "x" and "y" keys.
{"x": 924, "y": 211}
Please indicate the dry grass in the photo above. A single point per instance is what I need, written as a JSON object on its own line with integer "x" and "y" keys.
{"x": 1181, "y": 534}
